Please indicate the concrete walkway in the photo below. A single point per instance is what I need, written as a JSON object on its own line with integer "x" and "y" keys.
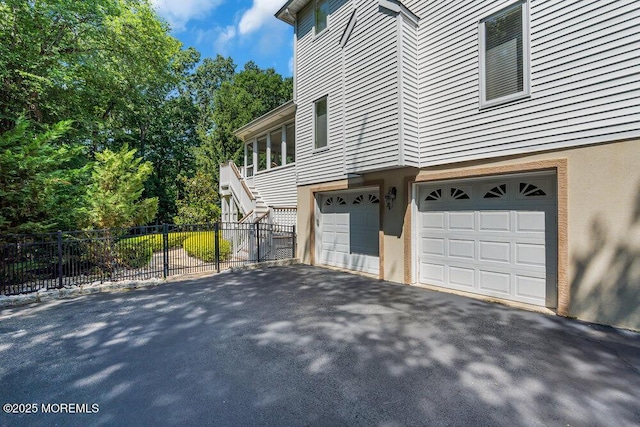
{"x": 300, "y": 345}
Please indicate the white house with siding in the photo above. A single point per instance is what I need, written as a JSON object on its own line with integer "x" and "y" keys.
{"x": 490, "y": 148}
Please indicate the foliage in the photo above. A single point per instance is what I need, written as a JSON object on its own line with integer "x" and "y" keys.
{"x": 154, "y": 241}
{"x": 114, "y": 197}
{"x": 199, "y": 205}
{"x": 112, "y": 69}
{"x": 201, "y": 245}
{"x": 39, "y": 181}
{"x": 226, "y": 101}
{"x": 163, "y": 129}
{"x": 80, "y": 60}
{"x": 134, "y": 256}
{"x": 136, "y": 252}
{"x": 251, "y": 93}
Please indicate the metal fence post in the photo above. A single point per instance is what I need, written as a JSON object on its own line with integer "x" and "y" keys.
{"x": 216, "y": 244}
{"x": 165, "y": 250}
{"x": 257, "y": 227}
{"x": 60, "y": 284}
{"x": 293, "y": 241}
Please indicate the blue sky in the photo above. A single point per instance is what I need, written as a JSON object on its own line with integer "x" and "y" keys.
{"x": 243, "y": 29}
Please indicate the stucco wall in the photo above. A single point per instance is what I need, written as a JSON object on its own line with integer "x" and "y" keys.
{"x": 603, "y": 225}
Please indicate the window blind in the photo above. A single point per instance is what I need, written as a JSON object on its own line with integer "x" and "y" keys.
{"x": 504, "y": 71}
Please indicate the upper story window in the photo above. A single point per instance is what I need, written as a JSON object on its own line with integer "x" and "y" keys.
{"x": 320, "y": 123}
{"x": 321, "y": 14}
{"x": 504, "y": 55}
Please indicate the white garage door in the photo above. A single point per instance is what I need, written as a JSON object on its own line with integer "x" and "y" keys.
{"x": 494, "y": 237}
{"x": 347, "y": 230}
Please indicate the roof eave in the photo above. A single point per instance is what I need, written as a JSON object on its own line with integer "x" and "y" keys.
{"x": 288, "y": 12}
{"x": 264, "y": 121}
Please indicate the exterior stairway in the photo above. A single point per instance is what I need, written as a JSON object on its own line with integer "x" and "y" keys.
{"x": 236, "y": 191}
{"x": 260, "y": 207}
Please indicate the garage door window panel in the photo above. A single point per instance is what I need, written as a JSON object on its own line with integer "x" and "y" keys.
{"x": 496, "y": 192}
{"x": 534, "y": 189}
{"x": 459, "y": 194}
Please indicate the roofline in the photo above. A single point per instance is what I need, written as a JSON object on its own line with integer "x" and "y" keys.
{"x": 288, "y": 12}
{"x": 286, "y": 109}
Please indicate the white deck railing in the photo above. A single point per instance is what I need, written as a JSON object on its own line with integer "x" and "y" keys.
{"x": 231, "y": 183}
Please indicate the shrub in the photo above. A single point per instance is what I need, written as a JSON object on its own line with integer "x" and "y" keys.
{"x": 154, "y": 241}
{"x": 200, "y": 245}
{"x": 136, "y": 252}
{"x": 134, "y": 255}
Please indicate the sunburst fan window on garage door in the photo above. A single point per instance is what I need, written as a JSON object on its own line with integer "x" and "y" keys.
{"x": 459, "y": 194}
{"x": 497, "y": 192}
{"x": 434, "y": 196}
{"x": 530, "y": 190}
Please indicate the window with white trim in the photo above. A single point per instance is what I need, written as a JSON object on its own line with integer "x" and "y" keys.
{"x": 320, "y": 123}
{"x": 321, "y": 15}
{"x": 504, "y": 55}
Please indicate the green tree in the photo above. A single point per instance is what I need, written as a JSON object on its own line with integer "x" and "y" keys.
{"x": 164, "y": 130}
{"x": 200, "y": 204}
{"x": 171, "y": 140}
{"x": 40, "y": 182}
{"x": 227, "y": 101}
{"x": 112, "y": 67}
{"x": 251, "y": 93}
{"x": 80, "y": 60}
{"x": 203, "y": 85}
{"x": 114, "y": 197}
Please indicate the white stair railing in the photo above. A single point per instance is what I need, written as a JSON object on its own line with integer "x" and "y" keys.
{"x": 231, "y": 183}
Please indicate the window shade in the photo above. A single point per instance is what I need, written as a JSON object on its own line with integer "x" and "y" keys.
{"x": 504, "y": 71}
{"x": 321, "y": 123}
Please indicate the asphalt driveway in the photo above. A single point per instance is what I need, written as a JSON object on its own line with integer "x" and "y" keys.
{"x": 308, "y": 346}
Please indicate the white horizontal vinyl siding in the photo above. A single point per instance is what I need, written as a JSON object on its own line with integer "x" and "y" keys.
{"x": 585, "y": 73}
{"x": 277, "y": 187}
{"x": 319, "y": 73}
{"x": 371, "y": 91}
{"x": 410, "y": 93}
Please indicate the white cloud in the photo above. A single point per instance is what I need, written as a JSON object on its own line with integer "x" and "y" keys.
{"x": 225, "y": 36}
{"x": 179, "y": 12}
{"x": 261, "y": 12}
{"x": 223, "y": 39}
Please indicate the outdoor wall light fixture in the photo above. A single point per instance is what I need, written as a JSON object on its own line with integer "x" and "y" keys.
{"x": 390, "y": 197}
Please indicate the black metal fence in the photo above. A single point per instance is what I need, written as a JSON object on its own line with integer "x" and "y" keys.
{"x": 31, "y": 262}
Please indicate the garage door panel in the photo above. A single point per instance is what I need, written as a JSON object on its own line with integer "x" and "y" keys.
{"x": 494, "y": 221}
{"x": 531, "y": 222}
{"x": 503, "y": 245}
{"x": 335, "y": 247}
{"x": 462, "y": 221}
{"x": 433, "y": 246}
{"x": 433, "y": 220}
{"x": 494, "y": 251}
{"x": 432, "y": 273}
{"x": 531, "y": 254}
{"x": 341, "y": 238}
{"x": 461, "y": 276}
{"x": 530, "y": 287}
{"x": 495, "y": 281}
{"x": 465, "y": 249}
